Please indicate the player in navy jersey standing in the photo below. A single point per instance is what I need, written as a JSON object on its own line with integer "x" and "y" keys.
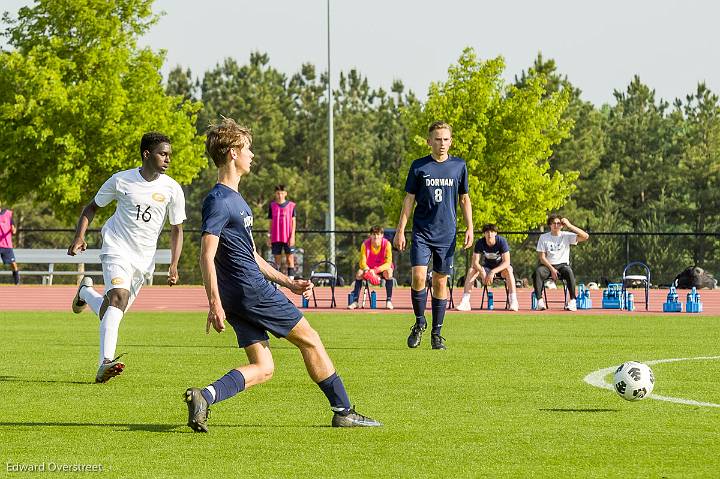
{"x": 434, "y": 185}
{"x": 238, "y": 290}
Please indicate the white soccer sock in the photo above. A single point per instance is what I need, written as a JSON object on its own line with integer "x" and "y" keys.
{"x": 109, "y": 332}
{"x": 211, "y": 389}
{"x": 513, "y": 297}
{"x": 466, "y": 296}
{"x": 92, "y": 298}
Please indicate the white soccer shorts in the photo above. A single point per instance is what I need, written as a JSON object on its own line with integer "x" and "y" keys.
{"x": 120, "y": 273}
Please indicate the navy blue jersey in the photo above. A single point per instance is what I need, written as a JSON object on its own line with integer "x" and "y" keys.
{"x": 491, "y": 255}
{"x": 437, "y": 187}
{"x": 225, "y": 214}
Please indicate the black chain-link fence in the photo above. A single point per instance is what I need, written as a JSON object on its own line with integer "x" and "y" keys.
{"x": 600, "y": 259}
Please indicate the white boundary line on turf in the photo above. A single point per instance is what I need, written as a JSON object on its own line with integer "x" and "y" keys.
{"x": 597, "y": 379}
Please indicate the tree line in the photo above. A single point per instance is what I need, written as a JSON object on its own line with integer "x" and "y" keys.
{"x": 76, "y": 94}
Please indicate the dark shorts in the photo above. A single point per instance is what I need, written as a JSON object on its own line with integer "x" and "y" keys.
{"x": 442, "y": 256}
{"x": 275, "y": 313}
{"x": 278, "y": 248}
{"x": 489, "y": 266}
{"x": 8, "y": 255}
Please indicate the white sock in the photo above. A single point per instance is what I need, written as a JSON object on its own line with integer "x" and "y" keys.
{"x": 513, "y": 297}
{"x": 92, "y": 298}
{"x": 109, "y": 332}
{"x": 466, "y": 296}
{"x": 211, "y": 389}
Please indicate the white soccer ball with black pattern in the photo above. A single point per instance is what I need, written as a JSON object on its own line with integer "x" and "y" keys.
{"x": 633, "y": 381}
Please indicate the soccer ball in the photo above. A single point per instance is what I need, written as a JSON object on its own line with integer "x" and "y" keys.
{"x": 634, "y": 381}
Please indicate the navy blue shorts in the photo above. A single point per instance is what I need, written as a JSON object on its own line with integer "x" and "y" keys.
{"x": 278, "y": 248}
{"x": 442, "y": 256}
{"x": 8, "y": 255}
{"x": 274, "y": 313}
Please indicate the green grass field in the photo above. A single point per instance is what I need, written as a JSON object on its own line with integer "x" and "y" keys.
{"x": 507, "y": 399}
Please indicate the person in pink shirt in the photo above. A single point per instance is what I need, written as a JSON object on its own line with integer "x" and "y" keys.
{"x": 281, "y": 214}
{"x": 375, "y": 261}
{"x": 7, "y": 230}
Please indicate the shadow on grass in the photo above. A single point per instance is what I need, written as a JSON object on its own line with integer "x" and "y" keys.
{"x": 162, "y": 428}
{"x": 15, "y": 379}
{"x": 127, "y": 427}
{"x": 274, "y": 346}
{"x": 178, "y": 346}
{"x": 578, "y": 410}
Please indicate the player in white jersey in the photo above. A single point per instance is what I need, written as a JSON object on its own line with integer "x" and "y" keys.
{"x": 144, "y": 196}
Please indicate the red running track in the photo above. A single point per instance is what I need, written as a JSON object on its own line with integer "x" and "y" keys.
{"x": 192, "y": 298}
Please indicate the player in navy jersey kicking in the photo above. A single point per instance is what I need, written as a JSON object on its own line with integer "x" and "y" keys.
{"x": 435, "y": 183}
{"x": 238, "y": 290}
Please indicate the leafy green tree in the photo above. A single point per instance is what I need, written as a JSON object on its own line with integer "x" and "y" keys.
{"x": 360, "y": 177}
{"x": 696, "y": 179}
{"x": 255, "y": 95}
{"x": 391, "y": 131}
{"x": 582, "y": 149}
{"x": 76, "y": 95}
{"x": 180, "y": 83}
{"x": 638, "y": 135}
{"x": 505, "y": 134}
{"x": 306, "y": 153}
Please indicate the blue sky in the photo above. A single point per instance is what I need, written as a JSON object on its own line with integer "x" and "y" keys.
{"x": 671, "y": 44}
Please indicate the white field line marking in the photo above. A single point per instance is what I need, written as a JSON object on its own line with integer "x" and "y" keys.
{"x": 597, "y": 379}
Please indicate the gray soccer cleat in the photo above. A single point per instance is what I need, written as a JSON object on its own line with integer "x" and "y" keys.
{"x": 352, "y": 418}
{"x": 198, "y": 410}
{"x": 109, "y": 369}
{"x": 78, "y": 304}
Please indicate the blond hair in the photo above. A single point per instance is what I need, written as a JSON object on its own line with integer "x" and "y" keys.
{"x": 222, "y": 136}
{"x": 439, "y": 125}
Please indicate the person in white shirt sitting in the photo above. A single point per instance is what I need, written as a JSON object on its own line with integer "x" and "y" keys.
{"x": 554, "y": 254}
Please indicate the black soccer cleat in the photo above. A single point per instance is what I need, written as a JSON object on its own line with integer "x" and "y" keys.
{"x": 351, "y": 418}
{"x": 415, "y": 337}
{"x": 198, "y": 410}
{"x": 437, "y": 341}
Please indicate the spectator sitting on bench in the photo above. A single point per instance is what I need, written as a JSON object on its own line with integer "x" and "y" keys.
{"x": 376, "y": 261}
{"x": 495, "y": 253}
{"x": 554, "y": 254}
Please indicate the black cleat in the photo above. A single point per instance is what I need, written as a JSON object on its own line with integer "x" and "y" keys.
{"x": 415, "y": 336}
{"x": 198, "y": 410}
{"x": 437, "y": 341}
{"x": 351, "y": 418}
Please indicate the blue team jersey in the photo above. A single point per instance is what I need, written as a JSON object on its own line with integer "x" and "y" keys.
{"x": 437, "y": 187}
{"x": 225, "y": 214}
{"x": 491, "y": 255}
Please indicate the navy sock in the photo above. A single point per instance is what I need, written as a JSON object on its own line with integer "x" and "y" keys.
{"x": 438, "y": 314}
{"x": 16, "y": 277}
{"x": 389, "y": 287}
{"x": 334, "y": 390}
{"x": 419, "y": 298}
{"x": 226, "y": 387}
{"x": 356, "y": 291}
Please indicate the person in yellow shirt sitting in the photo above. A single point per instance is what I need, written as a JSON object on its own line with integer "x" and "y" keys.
{"x": 375, "y": 261}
